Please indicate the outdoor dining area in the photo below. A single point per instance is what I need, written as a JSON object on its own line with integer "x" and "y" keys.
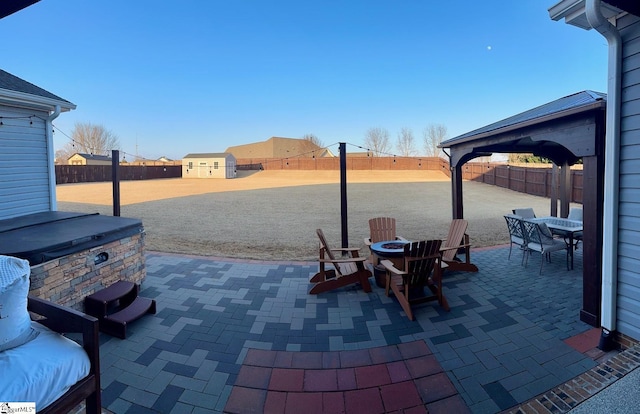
{"x": 406, "y": 267}
{"x": 544, "y": 235}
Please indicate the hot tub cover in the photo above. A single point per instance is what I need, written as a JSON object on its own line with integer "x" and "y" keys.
{"x": 45, "y": 236}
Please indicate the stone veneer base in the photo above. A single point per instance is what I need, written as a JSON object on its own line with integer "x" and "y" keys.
{"x": 67, "y": 280}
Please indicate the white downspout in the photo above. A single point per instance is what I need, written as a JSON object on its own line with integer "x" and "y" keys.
{"x": 611, "y": 169}
{"x": 48, "y": 127}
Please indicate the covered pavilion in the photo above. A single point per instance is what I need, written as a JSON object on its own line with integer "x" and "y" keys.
{"x": 565, "y": 130}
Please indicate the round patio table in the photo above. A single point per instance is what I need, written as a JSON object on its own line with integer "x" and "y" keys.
{"x": 390, "y": 249}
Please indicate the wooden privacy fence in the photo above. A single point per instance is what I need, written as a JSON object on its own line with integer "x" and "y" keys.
{"x": 67, "y": 174}
{"x": 530, "y": 180}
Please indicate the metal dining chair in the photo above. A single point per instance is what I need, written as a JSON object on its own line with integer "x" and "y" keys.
{"x": 516, "y": 234}
{"x": 539, "y": 239}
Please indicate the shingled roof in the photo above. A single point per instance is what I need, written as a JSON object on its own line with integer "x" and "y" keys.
{"x": 15, "y": 89}
{"x": 572, "y": 103}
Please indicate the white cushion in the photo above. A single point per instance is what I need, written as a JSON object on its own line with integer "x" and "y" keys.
{"x": 43, "y": 369}
{"x": 15, "y": 323}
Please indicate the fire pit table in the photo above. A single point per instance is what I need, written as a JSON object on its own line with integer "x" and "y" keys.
{"x": 390, "y": 249}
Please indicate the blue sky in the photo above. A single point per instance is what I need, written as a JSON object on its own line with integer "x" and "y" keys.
{"x": 175, "y": 77}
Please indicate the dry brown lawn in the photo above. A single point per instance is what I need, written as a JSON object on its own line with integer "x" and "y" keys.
{"x": 274, "y": 214}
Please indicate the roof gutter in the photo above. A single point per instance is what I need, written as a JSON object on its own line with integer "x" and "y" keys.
{"x": 22, "y": 99}
{"x": 48, "y": 126}
{"x": 611, "y": 169}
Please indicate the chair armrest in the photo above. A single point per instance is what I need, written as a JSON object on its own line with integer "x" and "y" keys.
{"x": 345, "y": 260}
{"x": 388, "y": 264}
{"x": 345, "y": 249}
{"x": 444, "y": 249}
{"x": 59, "y": 318}
{"x": 66, "y": 320}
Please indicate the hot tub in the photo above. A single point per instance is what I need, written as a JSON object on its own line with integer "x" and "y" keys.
{"x": 74, "y": 254}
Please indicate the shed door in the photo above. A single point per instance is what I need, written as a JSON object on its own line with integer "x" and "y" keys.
{"x": 203, "y": 171}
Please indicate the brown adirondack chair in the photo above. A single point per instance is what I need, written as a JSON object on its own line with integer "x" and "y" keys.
{"x": 422, "y": 267}
{"x": 381, "y": 229}
{"x": 458, "y": 239}
{"x": 345, "y": 271}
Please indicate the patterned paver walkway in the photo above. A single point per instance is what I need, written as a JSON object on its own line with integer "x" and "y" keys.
{"x": 224, "y": 323}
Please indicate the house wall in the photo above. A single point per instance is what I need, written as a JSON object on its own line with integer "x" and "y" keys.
{"x": 628, "y": 303}
{"x": 24, "y": 172}
{"x": 207, "y": 168}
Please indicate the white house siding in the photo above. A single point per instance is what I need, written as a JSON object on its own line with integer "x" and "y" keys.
{"x": 24, "y": 172}
{"x": 628, "y": 304}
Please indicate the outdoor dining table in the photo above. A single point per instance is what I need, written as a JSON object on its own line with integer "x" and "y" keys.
{"x": 563, "y": 227}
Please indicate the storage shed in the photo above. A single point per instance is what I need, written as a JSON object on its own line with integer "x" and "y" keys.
{"x": 209, "y": 165}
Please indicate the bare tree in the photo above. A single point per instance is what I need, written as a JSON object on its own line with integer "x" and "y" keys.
{"x": 406, "y": 145}
{"x": 433, "y": 135}
{"x": 377, "y": 140}
{"x": 312, "y": 138}
{"x": 88, "y": 138}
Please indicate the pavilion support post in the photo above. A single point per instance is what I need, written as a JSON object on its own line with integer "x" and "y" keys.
{"x": 565, "y": 189}
{"x": 592, "y": 239}
{"x": 456, "y": 191}
{"x": 555, "y": 172}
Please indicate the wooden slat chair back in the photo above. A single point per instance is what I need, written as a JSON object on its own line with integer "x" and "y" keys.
{"x": 346, "y": 270}
{"x": 539, "y": 239}
{"x": 516, "y": 234}
{"x": 458, "y": 239}
{"x": 422, "y": 267}
{"x": 382, "y": 229}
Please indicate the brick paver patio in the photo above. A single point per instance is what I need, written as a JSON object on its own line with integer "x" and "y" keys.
{"x": 245, "y": 336}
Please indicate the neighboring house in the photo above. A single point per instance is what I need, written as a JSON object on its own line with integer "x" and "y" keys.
{"x": 27, "y": 176}
{"x": 209, "y": 165}
{"x": 278, "y": 147}
{"x": 619, "y": 22}
{"x": 88, "y": 159}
